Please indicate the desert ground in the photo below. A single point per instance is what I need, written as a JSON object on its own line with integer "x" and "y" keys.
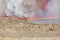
{"x": 12, "y": 28}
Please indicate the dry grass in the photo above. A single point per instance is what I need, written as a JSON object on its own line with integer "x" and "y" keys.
{"x": 17, "y": 24}
{"x": 12, "y": 24}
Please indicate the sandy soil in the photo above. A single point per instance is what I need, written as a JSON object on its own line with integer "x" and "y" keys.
{"x": 12, "y": 27}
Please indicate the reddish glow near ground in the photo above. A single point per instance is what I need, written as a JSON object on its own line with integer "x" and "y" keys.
{"x": 43, "y": 5}
{"x": 32, "y": 18}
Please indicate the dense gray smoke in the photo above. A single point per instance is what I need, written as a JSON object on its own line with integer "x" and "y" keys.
{"x": 30, "y": 8}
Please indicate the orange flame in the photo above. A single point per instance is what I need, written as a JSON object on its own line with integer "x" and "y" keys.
{"x": 41, "y": 18}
